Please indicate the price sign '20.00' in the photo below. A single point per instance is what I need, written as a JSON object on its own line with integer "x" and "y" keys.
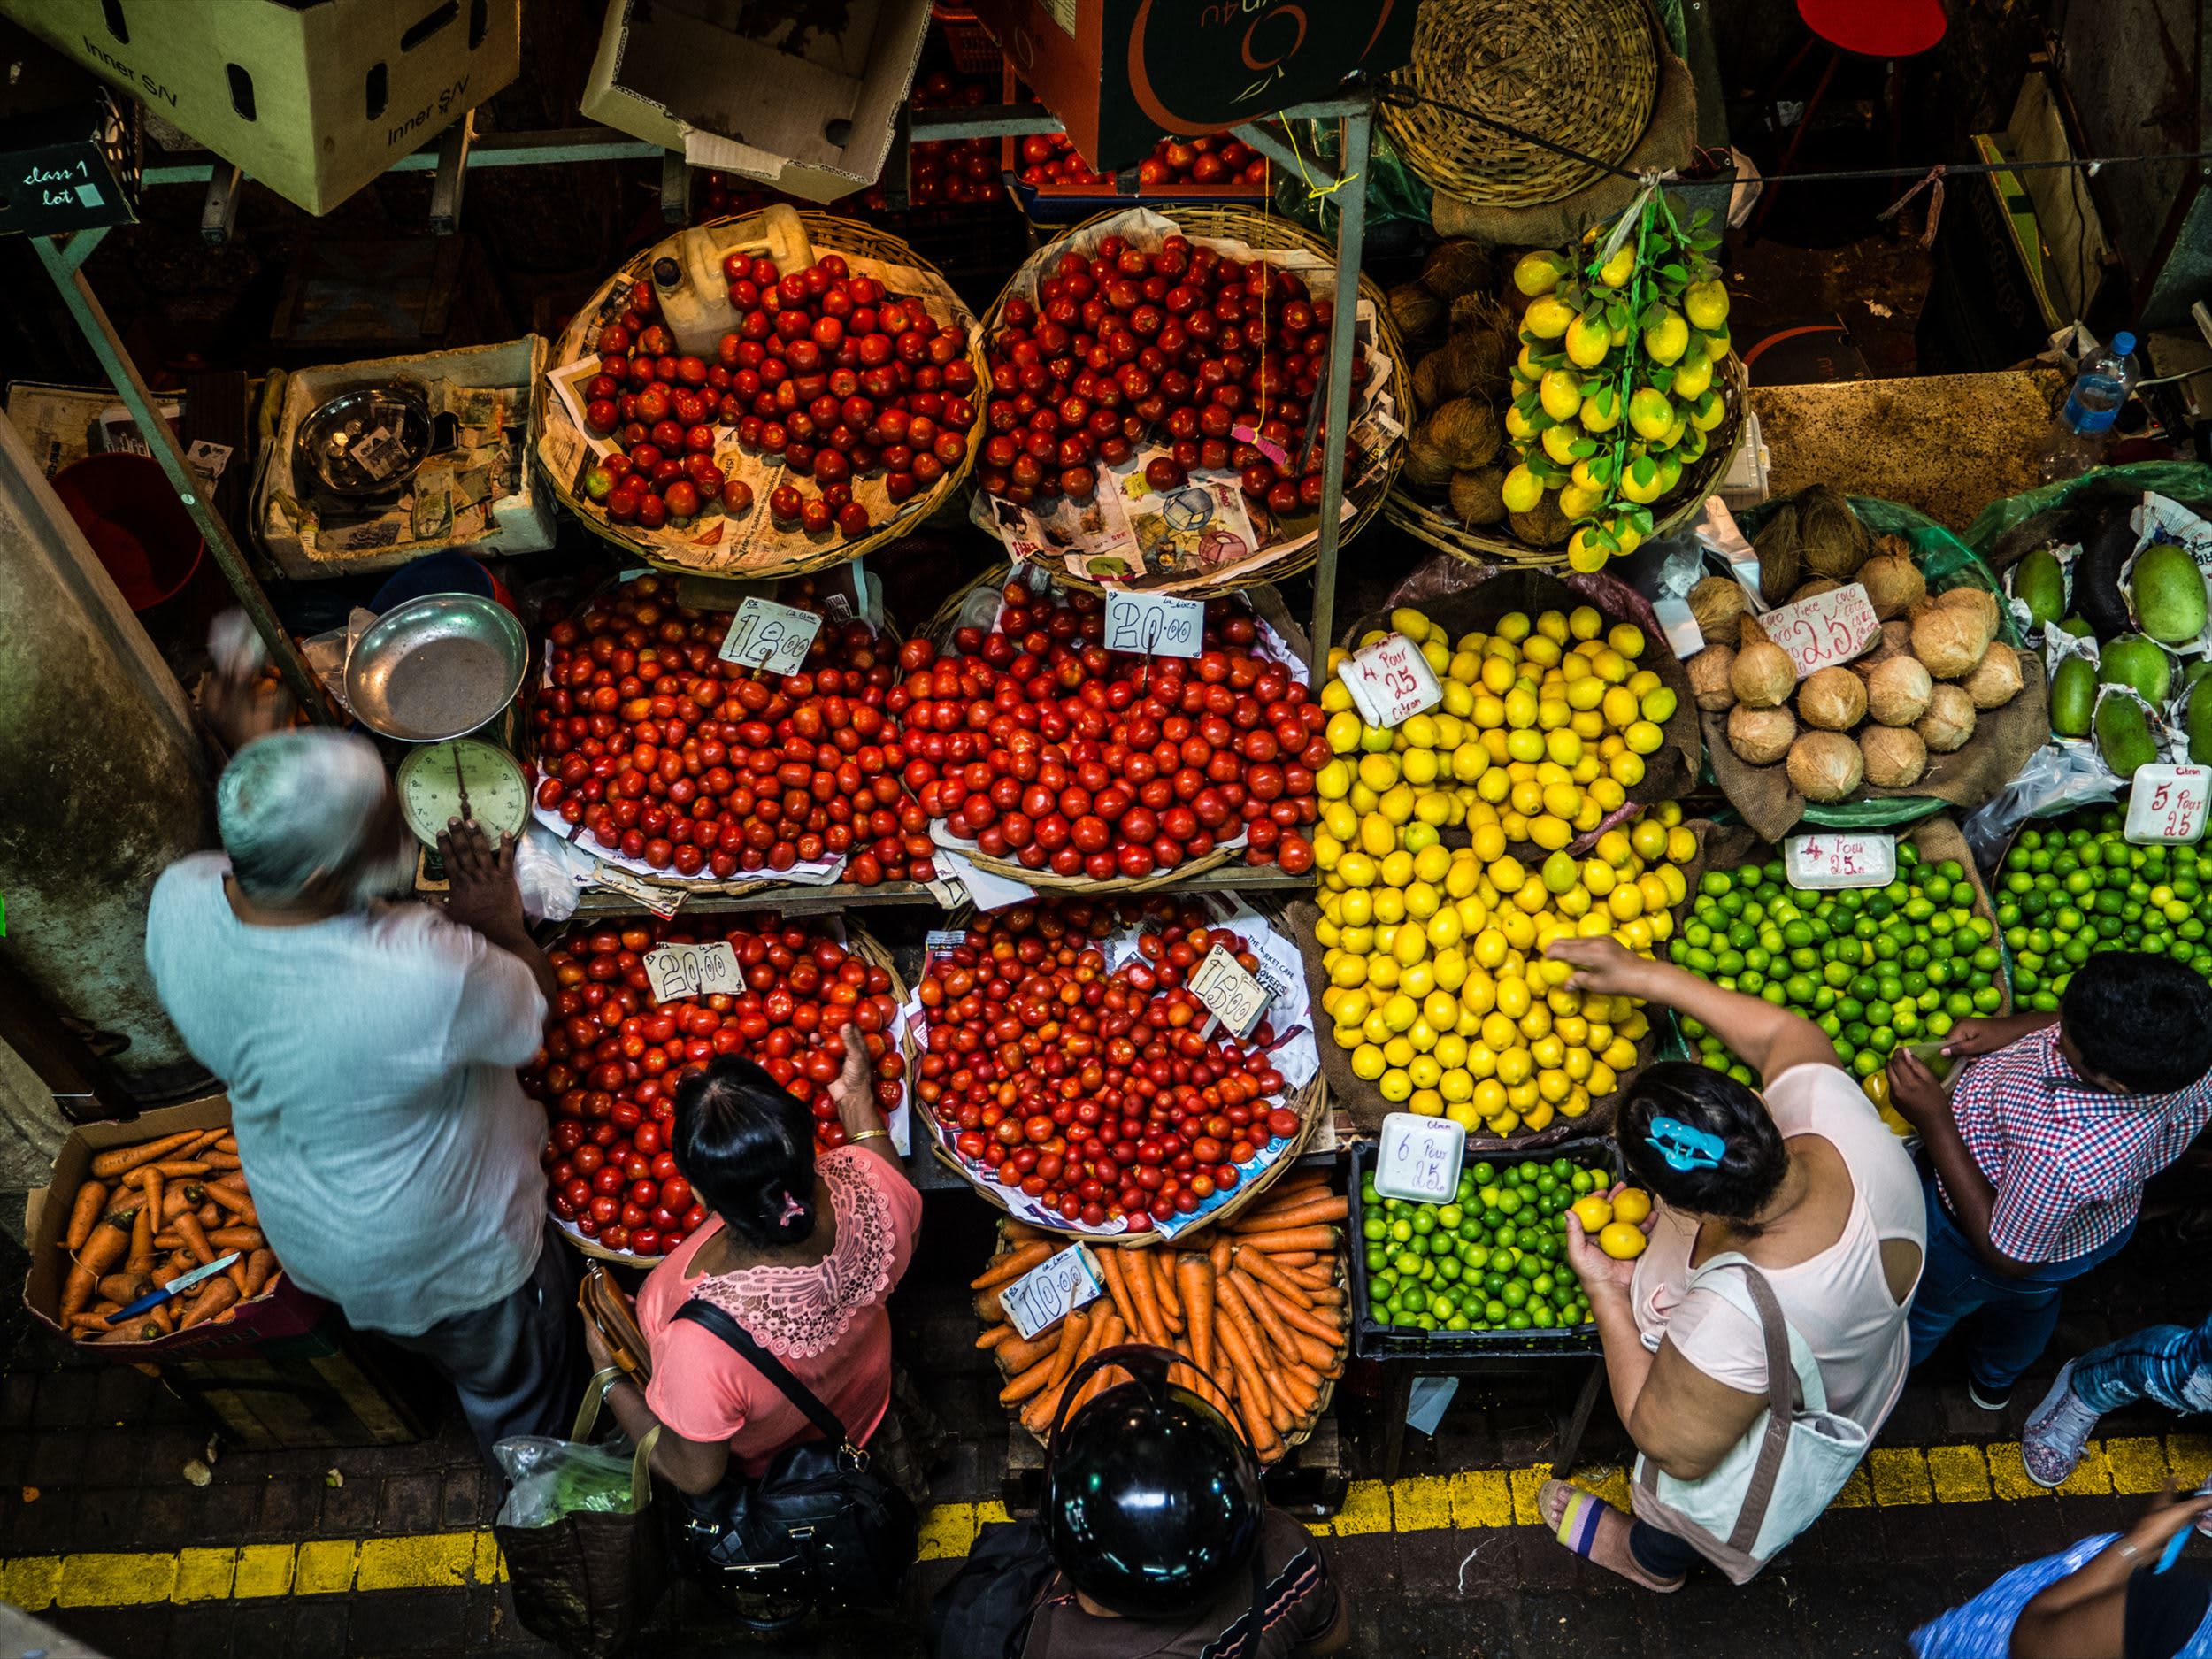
{"x": 676, "y": 972}
{"x": 1154, "y": 625}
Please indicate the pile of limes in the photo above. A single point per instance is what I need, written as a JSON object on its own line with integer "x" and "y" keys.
{"x": 2076, "y": 887}
{"x": 1546, "y": 721}
{"x": 1873, "y": 967}
{"x": 1494, "y": 1258}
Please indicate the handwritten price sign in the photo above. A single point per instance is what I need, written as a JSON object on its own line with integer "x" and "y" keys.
{"x": 1390, "y": 681}
{"x": 1047, "y": 1294}
{"x": 1823, "y": 861}
{"x": 1233, "y": 996}
{"x": 1825, "y": 631}
{"x": 2166, "y": 804}
{"x": 1154, "y": 625}
{"x": 676, "y": 972}
{"x": 768, "y": 636}
{"x": 1418, "y": 1158}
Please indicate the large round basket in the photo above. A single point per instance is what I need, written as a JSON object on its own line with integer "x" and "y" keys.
{"x": 1433, "y": 522}
{"x": 564, "y": 450}
{"x": 1267, "y": 234}
{"x": 1582, "y": 74}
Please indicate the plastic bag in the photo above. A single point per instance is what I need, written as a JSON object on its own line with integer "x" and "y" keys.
{"x": 552, "y": 1478}
{"x": 2057, "y": 777}
{"x": 2182, "y": 480}
{"x": 548, "y": 880}
{"x": 1397, "y": 200}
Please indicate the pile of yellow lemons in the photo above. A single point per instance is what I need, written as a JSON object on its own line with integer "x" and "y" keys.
{"x": 1545, "y": 722}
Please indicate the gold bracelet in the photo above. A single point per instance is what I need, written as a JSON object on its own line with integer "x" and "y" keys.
{"x": 866, "y": 1134}
{"x": 604, "y": 1378}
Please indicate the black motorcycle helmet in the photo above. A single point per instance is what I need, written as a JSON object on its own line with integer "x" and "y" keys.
{"x": 1152, "y": 1502}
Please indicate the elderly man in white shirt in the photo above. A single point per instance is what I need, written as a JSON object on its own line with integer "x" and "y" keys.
{"x": 369, "y": 1050}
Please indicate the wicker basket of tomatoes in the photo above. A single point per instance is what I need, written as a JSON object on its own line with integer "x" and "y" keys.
{"x": 613, "y": 1057}
{"x": 763, "y": 396}
{"x": 1062, "y": 1065}
{"x": 1194, "y": 466}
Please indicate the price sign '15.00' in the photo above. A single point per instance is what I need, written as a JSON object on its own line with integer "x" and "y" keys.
{"x": 676, "y": 972}
{"x": 1828, "y": 860}
{"x": 1825, "y": 631}
{"x": 772, "y": 637}
{"x": 2167, "y": 803}
{"x": 1154, "y": 623}
{"x": 1235, "y": 998}
{"x": 1390, "y": 681}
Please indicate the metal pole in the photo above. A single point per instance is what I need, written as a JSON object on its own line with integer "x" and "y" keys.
{"x": 77, "y": 294}
{"x": 1351, "y": 228}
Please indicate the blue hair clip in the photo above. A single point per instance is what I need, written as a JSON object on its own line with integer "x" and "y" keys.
{"x": 1684, "y": 1147}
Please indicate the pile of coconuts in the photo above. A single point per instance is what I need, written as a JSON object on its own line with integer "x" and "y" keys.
{"x": 1916, "y": 691}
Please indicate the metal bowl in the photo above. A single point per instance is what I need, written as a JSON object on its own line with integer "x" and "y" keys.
{"x": 330, "y": 447}
{"x": 436, "y": 667}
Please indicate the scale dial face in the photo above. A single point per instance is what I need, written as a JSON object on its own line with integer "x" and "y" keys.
{"x": 431, "y": 782}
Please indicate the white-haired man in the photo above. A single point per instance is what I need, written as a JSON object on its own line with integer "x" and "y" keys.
{"x": 369, "y": 1051}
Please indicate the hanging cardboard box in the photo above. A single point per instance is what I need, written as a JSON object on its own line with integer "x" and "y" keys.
{"x": 802, "y": 107}
{"x": 1122, "y": 75}
{"x": 312, "y": 99}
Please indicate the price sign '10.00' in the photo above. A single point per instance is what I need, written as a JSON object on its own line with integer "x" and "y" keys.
{"x": 676, "y": 972}
{"x": 1825, "y": 631}
{"x": 1235, "y": 998}
{"x": 1047, "y": 1293}
{"x": 1390, "y": 681}
{"x": 2167, "y": 803}
{"x": 1154, "y": 625}
{"x": 768, "y": 636}
{"x": 1829, "y": 860}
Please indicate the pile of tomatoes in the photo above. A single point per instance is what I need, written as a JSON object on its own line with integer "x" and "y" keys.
{"x": 667, "y": 755}
{"x": 1093, "y": 1093}
{"x": 1046, "y": 749}
{"x": 662, "y": 408}
{"x": 1217, "y": 358}
{"x": 1215, "y": 161}
{"x": 613, "y": 1058}
{"x": 948, "y": 170}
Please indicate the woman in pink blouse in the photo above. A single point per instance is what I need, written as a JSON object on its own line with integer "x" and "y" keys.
{"x": 803, "y": 1253}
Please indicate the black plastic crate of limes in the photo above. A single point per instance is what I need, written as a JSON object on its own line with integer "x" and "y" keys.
{"x": 1373, "y": 1338}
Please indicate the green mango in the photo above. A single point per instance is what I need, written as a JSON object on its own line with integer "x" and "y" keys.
{"x": 2133, "y": 661}
{"x": 2124, "y": 736}
{"x": 2197, "y": 670}
{"x": 2039, "y": 584}
{"x": 2168, "y": 592}
{"x": 2078, "y": 626}
{"x": 2199, "y": 726}
{"x": 2073, "y": 697}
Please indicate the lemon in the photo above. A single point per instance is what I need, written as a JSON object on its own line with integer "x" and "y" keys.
{"x": 1585, "y": 553}
{"x": 1578, "y": 502}
{"x": 1632, "y": 1205}
{"x": 1666, "y": 340}
{"x": 1649, "y": 413}
{"x": 1692, "y": 376}
{"x": 1538, "y": 272}
{"x": 1706, "y": 303}
{"x": 1560, "y": 393}
{"x": 1594, "y": 419}
{"x": 1681, "y": 845}
{"x": 1707, "y": 411}
{"x": 1560, "y": 872}
{"x": 1522, "y": 488}
{"x": 1622, "y": 1241}
{"x": 1558, "y": 443}
{"x": 1587, "y": 342}
{"x": 1659, "y": 706}
{"x": 1643, "y": 738}
{"x": 1545, "y": 319}
{"x": 1616, "y": 272}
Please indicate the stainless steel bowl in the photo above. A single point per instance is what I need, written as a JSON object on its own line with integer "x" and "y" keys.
{"x": 339, "y": 445}
{"x": 436, "y": 667}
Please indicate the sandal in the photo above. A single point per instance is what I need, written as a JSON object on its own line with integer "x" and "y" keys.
{"x": 1587, "y": 1524}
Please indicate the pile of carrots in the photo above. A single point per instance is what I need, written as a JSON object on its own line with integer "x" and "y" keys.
{"x": 1260, "y": 1309}
{"x": 150, "y": 1214}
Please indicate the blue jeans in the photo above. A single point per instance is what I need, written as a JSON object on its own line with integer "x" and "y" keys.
{"x": 2170, "y": 1363}
{"x": 2017, "y": 1314}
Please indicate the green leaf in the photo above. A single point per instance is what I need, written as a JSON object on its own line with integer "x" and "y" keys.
{"x": 1642, "y": 517}
{"x": 1674, "y": 273}
{"x": 1607, "y": 540}
{"x": 1526, "y": 402}
{"x": 1649, "y": 317}
{"x": 1601, "y": 469}
{"x": 1705, "y": 244}
{"x": 1643, "y": 470}
{"x": 1663, "y": 379}
{"x": 1608, "y": 401}
{"x": 1701, "y": 219}
{"x": 1616, "y": 315}
{"x": 1583, "y": 448}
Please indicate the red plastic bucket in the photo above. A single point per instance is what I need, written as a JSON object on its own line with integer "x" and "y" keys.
{"x": 136, "y": 524}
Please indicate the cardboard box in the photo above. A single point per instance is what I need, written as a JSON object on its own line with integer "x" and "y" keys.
{"x": 287, "y": 1310}
{"x": 312, "y": 99}
{"x": 1123, "y": 73}
{"x": 515, "y": 518}
{"x": 802, "y": 108}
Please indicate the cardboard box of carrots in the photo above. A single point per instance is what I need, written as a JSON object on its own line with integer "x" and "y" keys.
{"x": 135, "y": 1205}
{"x": 1257, "y": 1303}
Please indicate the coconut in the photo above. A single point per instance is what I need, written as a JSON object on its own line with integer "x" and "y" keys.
{"x": 1830, "y": 541}
{"x": 1716, "y": 603}
{"x": 1425, "y": 469}
{"x": 1780, "y": 567}
{"x": 1761, "y": 736}
{"x": 1457, "y": 267}
{"x": 1417, "y": 312}
{"x": 1831, "y": 699}
{"x": 1476, "y": 496}
{"x": 1996, "y": 680}
{"x": 1476, "y": 362}
{"x": 1824, "y": 765}
{"x": 1949, "y": 639}
{"x": 1894, "y": 755}
{"x": 1708, "y": 678}
{"x": 1763, "y": 675}
{"x": 1428, "y": 381}
{"x": 1978, "y": 603}
{"x": 1814, "y": 588}
{"x": 1894, "y": 639}
{"x": 1541, "y": 525}
{"x": 1893, "y": 581}
{"x": 1897, "y": 692}
{"x": 1949, "y": 721}
{"x": 1463, "y": 432}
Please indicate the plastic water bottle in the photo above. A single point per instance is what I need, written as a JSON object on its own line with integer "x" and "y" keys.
{"x": 2084, "y": 426}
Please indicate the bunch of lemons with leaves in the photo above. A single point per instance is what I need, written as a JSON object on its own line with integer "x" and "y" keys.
{"x": 1617, "y": 385}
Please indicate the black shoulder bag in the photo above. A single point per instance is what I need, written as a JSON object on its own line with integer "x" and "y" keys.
{"x": 821, "y": 1528}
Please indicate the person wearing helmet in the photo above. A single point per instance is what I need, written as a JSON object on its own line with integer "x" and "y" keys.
{"x": 1163, "y": 1543}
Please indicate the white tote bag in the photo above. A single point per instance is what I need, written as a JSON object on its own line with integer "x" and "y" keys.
{"x": 1787, "y": 1468}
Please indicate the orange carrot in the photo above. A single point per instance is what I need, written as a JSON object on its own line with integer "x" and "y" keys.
{"x": 177, "y": 1168}
{"x": 1315, "y": 1210}
{"x": 987, "y": 1308}
{"x": 121, "y": 1288}
{"x": 1217, "y": 1253}
{"x": 1315, "y": 1322}
{"x": 259, "y": 1266}
{"x": 110, "y": 1239}
{"x": 209, "y": 1215}
{"x": 227, "y": 1142}
{"x": 141, "y": 1257}
{"x": 1010, "y": 1267}
{"x": 1252, "y": 1395}
{"x": 195, "y": 1237}
{"x": 1164, "y": 1287}
{"x": 205, "y": 1138}
{"x": 149, "y": 1181}
{"x": 84, "y": 1214}
{"x": 219, "y": 1296}
{"x": 1021, "y": 1233}
{"x": 1109, "y": 1331}
{"x": 1032, "y": 1381}
{"x": 1257, "y": 1265}
{"x": 1110, "y": 1270}
{"x": 221, "y": 1160}
{"x": 148, "y": 1331}
{"x": 1264, "y": 1314}
{"x": 1316, "y": 1239}
{"x": 122, "y": 1160}
{"x": 994, "y": 1334}
{"x": 1231, "y": 1313}
{"x": 1196, "y": 1280}
{"x": 1014, "y": 1355}
{"x": 234, "y": 1199}
{"x": 1147, "y": 1326}
{"x": 1073, "y": 1330}
{"x": 246, "y": 1239}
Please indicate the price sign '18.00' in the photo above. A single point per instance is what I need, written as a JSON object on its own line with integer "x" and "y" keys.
{"x": 1390, "y": 681}
{"x": 676, "y": 972}
{"x": 768, "y": 636}
{"x": 2167, "y": 803}
{"x": 1154, "y": 625}
{"x": 1825, "y": 631}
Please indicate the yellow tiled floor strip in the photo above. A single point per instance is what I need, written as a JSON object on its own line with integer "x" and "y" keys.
{"x": 1893, "y": 1477}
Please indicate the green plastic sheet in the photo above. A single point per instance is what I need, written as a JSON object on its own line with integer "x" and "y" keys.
{"x": 2189, "y": 482}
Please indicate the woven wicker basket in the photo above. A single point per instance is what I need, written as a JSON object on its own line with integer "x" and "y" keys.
{"x": 1582, "y": 74}
{"x": 795, "y": 553}
{"x": 1485, "y": 545}
{"x": 1261, "y": 231}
